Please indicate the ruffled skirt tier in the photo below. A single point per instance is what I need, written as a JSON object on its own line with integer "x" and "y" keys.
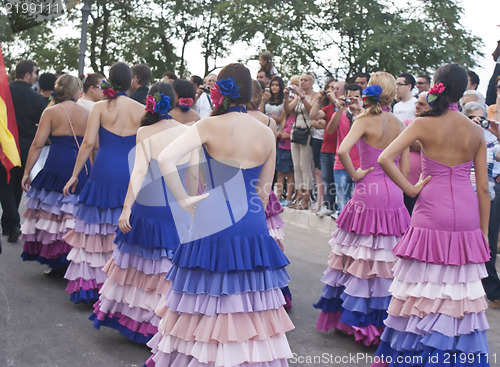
{"x": 275, "y": 226}
{"x": 224, "y": 307}
{"x": 356, "y": 292}
{"x": 436, "y": 316}
{"x": 49, "y": 217}
{"x": 136, "y": 283}
{"x": 92, "y": 238}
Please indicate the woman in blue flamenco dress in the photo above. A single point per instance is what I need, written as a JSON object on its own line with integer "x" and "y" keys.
{"x": 149, "y": 228}
{"x": 356, "y": 292}
{"x": 225, "y": 306}
{"x": 50, "y": 215}
{"x": 112, "y": 126}
{"x": 436, "y": 315}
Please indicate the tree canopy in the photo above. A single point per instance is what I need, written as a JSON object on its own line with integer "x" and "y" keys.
{"x": 333, "y": 37}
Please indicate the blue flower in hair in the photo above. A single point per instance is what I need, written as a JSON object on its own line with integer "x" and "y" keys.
{"x": 229, "y": 88}
{"x": 373, "y": 92}
{"x": 162, "y": 103}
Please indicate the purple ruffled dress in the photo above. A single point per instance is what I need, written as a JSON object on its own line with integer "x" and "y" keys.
{"x": 436, "y": 315}
{"x": 356, "y": 292}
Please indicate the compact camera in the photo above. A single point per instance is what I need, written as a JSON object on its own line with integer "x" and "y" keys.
{"x": 205, "y": 89}
{"x": 348, "y": 102}
{"x": 324, "y": 93}
{"x": 484, "y": 122}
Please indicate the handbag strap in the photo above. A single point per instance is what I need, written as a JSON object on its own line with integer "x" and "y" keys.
{"x": 74, "y": 135}
{"x": 305, "y": 120}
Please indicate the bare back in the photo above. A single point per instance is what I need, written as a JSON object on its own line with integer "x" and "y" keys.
{"x": 451, "y": 139}
{"x": 188, "y": 118}
{"x": 159, "y": 135}
{"x": 237, "y": 139}
{"x": 381, "y": 130}
{"x": 121, "y": 116}
{"x": 266, "y": 120}
{"x": 59, "y": 114}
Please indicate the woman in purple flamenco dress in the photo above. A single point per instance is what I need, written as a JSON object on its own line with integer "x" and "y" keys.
{"x": 436, "y": 315}
{"x": 356, "y": 292}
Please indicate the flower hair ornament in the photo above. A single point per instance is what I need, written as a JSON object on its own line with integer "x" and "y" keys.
{"x": 223, "y": 92}
{"x": 159, "y": 103}
{"x": 371, "y": 95}
{"x": 434, "y": 93}
{"x": 109, "y": 90}
{"x": 185, "y": 104}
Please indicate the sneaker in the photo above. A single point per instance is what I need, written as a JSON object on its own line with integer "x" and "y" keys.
{"x": 334, "y": 215}
{"x": 324, "y": 212}
{"x": 286, "y": 203}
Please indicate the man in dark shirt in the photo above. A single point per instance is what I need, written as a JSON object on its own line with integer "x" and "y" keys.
{"x": 141, "y": 78}
{"x": 28, "y": 107}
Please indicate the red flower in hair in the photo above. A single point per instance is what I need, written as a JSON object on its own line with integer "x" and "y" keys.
{"x": 150, "y": 103}
{"x": 185, "y": 101}
{"x": 216, "y": 96}
{"x": 437, "y": 88}
{"x": 434, "y": 93}
{"x": 109, "y": 92}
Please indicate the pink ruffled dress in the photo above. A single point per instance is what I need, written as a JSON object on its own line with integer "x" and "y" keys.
{"x": 275, "y": 226}
{"x": 356, "y": 292}
{"x": 436, "y": 315}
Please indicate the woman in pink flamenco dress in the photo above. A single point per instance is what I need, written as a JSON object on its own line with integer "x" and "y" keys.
{"x": 436, "y": 315}
{"x": 356, "y": 292}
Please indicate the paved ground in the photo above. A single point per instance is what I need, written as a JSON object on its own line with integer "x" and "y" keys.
{"x": 40, "y": 327}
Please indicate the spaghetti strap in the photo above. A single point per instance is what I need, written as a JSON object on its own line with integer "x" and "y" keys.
{"x": 268, "y": 121}
{"x": 74, "y": 135}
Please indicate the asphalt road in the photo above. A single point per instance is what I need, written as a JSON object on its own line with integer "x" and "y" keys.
{"x": 40, "y": 327}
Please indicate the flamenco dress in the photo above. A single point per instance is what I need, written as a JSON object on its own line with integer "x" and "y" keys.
{"x": 49, "y": 214}
{"x": 356, "y": 292}
{"x": 275, "y": 226}
{"x": 100, "y": 206}
{"x": 436, "y": 315}
{"x": 136, "y": 282}
{"x": 225, "y": 306}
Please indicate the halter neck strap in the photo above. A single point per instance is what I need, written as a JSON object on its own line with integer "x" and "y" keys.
{"x": 238, "y": 108}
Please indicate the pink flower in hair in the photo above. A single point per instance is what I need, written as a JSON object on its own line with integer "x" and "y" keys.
{"x": 216, "y": 96}
{"x": 434, "y": 93}
{"x": 150, "y": 103}
{"x": 185, "y": 101}
{"x": 437, "y": 89}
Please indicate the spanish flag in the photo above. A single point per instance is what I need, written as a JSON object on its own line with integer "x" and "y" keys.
{"x": 9, "y": 138}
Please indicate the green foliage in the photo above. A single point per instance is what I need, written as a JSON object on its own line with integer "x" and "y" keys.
{"x": 332, "y": 37}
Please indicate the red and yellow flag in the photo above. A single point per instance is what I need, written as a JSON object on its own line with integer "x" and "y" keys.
{"x": 9, "y": 138}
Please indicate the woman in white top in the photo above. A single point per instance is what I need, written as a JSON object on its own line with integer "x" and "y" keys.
{"x": 92, "y": 91}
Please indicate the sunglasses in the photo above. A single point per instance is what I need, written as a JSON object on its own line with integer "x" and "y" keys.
{"x": 420, "y": 83}
{"x": 401, "y": 84}
{"x": 498, "y": 86}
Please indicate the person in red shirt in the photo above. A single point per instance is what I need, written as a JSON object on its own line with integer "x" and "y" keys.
{"x": 323, "y": 109}
{"x": 348, "y": 107}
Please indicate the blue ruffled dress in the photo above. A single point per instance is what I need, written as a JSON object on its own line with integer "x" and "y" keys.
{"x": 100, "y": 206}
{"x": 225, "y": 305}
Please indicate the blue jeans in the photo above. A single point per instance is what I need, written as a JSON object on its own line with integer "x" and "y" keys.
{"x": 326, "y": 162}
{"x": 344, "y": 186}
